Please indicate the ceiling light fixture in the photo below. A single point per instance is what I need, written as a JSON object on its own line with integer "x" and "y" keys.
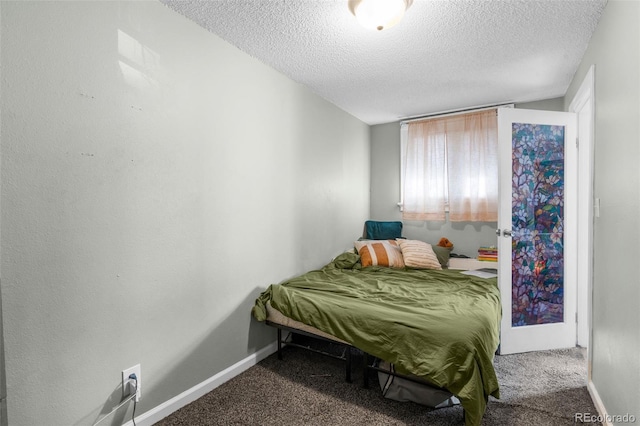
{"x": 379, "y": 14}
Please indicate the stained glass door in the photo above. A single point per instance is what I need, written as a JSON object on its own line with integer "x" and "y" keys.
{"x": 537, "y": 229}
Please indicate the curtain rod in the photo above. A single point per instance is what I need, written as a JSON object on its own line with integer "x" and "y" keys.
{"x": 453, "y": 112}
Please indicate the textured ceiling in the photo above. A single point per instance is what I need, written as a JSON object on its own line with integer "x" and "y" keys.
{"x": 444, "y": 55}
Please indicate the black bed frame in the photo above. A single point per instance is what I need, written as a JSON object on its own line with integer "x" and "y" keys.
{"x": 368, "y": 363}
{"x": 346, "y": 348}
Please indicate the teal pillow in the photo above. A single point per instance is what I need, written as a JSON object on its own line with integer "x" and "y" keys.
{"x": 376, "y": 230}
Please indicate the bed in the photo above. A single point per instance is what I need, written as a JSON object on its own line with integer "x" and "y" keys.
{"x": 439, "y": 325}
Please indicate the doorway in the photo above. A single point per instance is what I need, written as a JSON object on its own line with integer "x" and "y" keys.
{"x": 583, "y": 104}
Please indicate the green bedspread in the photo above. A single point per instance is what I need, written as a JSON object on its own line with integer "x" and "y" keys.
{"x": 440, "y": 325}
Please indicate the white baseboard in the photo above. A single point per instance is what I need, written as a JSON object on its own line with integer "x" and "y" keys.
{"x": 158, "y": 413}
{"x": 595, "y": 397}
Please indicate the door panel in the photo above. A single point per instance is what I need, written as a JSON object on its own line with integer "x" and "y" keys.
{"x": 537, "y": 211}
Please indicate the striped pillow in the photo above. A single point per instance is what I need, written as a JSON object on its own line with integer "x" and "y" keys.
{"x": 418, "y": 254}
{"x": 380, "y": 253}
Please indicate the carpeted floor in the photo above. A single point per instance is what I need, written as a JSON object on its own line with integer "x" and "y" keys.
{"x": 537, "y": 388}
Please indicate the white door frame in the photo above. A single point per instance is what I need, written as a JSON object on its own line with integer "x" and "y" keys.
{"x": 583, "y": 104}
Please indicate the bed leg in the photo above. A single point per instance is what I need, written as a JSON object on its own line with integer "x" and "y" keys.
{"x": 279, "y": 343}
{"x": 365, "y": 370}
{"x": 348, "y": 356}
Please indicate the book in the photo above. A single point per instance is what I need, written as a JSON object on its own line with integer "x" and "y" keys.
{"x": 487, "y": 259}
{"x": 488, "y": 254}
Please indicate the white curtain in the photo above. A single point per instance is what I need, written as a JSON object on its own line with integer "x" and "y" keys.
{"x": 424, "y": 168}
{"x": 451, "y": 161}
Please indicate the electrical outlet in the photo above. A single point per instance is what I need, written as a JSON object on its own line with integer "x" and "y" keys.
{"x": 129, "y": 385}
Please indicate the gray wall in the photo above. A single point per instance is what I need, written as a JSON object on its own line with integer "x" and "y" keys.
{"x": 614, "y": 49}
{"x": 385, "y": 191}
{"x": 154, "y": 180}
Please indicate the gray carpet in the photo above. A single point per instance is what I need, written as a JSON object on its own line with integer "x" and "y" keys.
{"x": 538, "y": 388}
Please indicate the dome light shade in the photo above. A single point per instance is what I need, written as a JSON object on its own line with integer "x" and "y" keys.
{"x": 379, "y": 14}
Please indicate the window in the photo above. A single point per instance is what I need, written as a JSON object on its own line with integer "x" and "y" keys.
{"x": 450, "y": 162}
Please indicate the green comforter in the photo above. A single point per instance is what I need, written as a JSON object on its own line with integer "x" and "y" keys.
{"x": 440, "y": 325}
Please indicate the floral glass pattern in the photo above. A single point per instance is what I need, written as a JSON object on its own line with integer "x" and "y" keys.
{"x": 537, "y": 224}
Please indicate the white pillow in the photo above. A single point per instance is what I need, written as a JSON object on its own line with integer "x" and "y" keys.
{"x": 418, "y": 254}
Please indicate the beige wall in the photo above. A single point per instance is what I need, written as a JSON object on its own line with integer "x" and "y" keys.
{"x": 614, "y": 49}
{"x": 154, "y": 180}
